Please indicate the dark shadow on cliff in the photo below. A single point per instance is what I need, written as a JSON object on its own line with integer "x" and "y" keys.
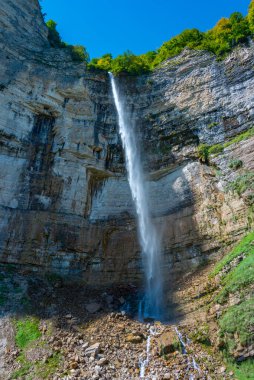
{"x": 71, "y": 305}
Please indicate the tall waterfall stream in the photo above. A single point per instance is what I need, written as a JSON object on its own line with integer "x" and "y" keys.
{"x": 151, "y": 306}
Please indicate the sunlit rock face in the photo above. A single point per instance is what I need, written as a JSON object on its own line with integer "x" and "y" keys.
{"x": 65, "y": 200}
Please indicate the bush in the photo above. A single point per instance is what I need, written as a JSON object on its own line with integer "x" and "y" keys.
{"x": 242, "y": 183}
{"x": 203, "y": 153}
{"x": 103, "y": 63}
{"x": 53, "y": 35}
{"x": 78, "y": 52}
{"x": 250, "y": 17}
{"x": 205, "y": 150}
{"x": 191, "y": 38}
{"x": 129, "y": 63}
{"x": 235, "y": 164}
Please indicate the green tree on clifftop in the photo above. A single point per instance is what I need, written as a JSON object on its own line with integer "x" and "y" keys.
{"x": 250, "y": 16}
{"x": 78, "y": 52}
{"x": 53, "y": 35}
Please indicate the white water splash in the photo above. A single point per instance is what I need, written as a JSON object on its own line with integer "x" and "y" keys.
{"x": 144, "y": 363}
{"x": 191, "y": 364}
{"x": 180, "y": 337}
{"x": 195, "y": 365}
{"x": 149, "y": 240}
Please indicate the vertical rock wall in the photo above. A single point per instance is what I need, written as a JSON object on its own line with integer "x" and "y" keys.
{"x": 65, "y": 203}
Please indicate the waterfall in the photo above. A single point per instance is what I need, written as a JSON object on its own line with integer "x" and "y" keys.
{"x": 148, "y": 236}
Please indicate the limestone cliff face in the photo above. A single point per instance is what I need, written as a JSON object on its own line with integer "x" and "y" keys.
{"x": 65, "y": 202}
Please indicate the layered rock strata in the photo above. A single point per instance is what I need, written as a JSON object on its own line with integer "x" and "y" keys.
{"x": 65, "y": 202}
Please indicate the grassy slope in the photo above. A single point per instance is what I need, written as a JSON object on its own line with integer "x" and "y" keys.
{"x": 237, "y": 320}
{"x": 28, "y": 334}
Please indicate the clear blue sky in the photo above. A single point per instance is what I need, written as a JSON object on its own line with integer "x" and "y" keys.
{"x": 114, "y": 26}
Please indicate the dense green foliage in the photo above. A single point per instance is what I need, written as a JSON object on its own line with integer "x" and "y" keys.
{"x": 220, "y": 40}
{"x": 251, "y": 16}
{"x": 53, "y": 35}
{"x": 128, "y": 63}
{"x": 203, "y": 153}
{"x": 78, "y": 52}
{"x": 243, "y": 370}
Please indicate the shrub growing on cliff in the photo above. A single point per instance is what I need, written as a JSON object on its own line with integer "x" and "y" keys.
{"x": 250, "y": 17}
{"x": 235, "y": 164}
{"x": 191, "y": 38}
{"x": 203, "y": 153}
{"x": 129, "y": 63}
{"x": 205, "y": 150}
{"x": 78, "y": 52}
{"x": 216, "y": 149}
{"x": 242, "y": 183}
{"x": 103, "y": 63}
{"x": 53, "y": 35}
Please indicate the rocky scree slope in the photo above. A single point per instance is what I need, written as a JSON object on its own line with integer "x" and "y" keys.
{"x": 47, "y": 334}
{"x": 65, "y": 201}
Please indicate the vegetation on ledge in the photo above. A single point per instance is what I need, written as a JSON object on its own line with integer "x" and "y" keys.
{"x": 204, "y": 150}
{"x": 245, "y": 246}
{"x": 236, "y": 319}
{"x": 28, "y": 337}
{"x": 27, "y": 330}
{"x": 220, "y": 40}
{"x": 78, "y": 52}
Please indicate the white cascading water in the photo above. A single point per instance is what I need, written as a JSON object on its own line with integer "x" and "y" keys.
{"x": 144, "y": 363}
{"x": 193, "y": 364}
{"x": 149, "y": 240}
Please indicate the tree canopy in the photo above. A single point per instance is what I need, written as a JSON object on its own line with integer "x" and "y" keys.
{"x": 220, "y": 40}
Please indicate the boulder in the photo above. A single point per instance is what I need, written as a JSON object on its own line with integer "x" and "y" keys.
{"x": 94, "y": 349}
{"x": 93, "y": 307}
